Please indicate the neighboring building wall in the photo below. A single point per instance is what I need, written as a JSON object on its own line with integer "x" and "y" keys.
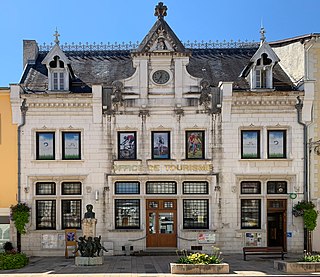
{"x": 8, "y": 163}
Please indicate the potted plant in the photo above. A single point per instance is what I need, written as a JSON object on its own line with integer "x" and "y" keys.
{"x": 200, "y": 263}
{"x": 307, "y": 210}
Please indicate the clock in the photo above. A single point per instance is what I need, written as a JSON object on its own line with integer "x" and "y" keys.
{"x": 160, "y": 77}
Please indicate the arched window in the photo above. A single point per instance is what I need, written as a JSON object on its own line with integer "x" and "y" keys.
{"x": 57, "y": 75}
{"x": 263, "y": 73}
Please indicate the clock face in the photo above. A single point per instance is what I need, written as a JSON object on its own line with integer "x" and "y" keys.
{"x": 160, "y": 77}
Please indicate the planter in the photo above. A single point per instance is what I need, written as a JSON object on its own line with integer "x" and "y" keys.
{"x": 199, "y": 268}
{"x": 297, "y": 267}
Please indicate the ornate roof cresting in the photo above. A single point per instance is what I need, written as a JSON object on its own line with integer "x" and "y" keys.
{"x": 160, "y": 10}
{"x": 57, "y": 35}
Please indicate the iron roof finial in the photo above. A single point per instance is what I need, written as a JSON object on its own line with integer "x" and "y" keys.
{"x": 262, "y": 34}
{"x": 160, "y": 10}
{"x": 57, "y": 35}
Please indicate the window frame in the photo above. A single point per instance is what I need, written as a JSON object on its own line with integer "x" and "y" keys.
{"x": 159, "y": 183}
{"x": 256, "y": 155}
{"x": 205, "y": 226}
{"x": 258, "y": 226}
{"x": 63, "y": 213}
{"x": 132, "y": 153}
{"x": 53, "y": 214}
{"x": 277, "y": 187}
{"x": 206, "y": 183}
{"x": 78, "y": 149}
{"x": 154, "y": 145}
{"x": 53, "y": 187}
{"x": 52, "y": 152}
{"x": 201, "y": 134}
{"x": 258, "y": 187}
{"x": 283, "y": 152}
{"x": 119, "y": 191}
{"x": 117, "y": 203}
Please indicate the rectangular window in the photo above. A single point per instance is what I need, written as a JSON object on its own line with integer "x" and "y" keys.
{"x": 71, "y": 214}
{"x": 277, "y": 187}
{"x": 160, "y": 145}
{"x": 250, "y": 213}
{"x": 277, "y": 144}
{"x": 195, "y": 187}
{"x": 61, "y": 80}
{"x": 127, "y": 188}
{"x": 43, "y": 188}
{"x": 196, "y": 214}
{"x": 71, "y": 145}
{"x": 45, "y": 214}
{"x": 71, "y": 188}
{"x": 55, "y": 81}
{"x": 195, "y": 145}
{"x": 161, "y": 188}
{"x": 127, "y": 213}
{"x": 250, "y": 144}
{"x": 45, "y": 145}
{"x": 127, "y": 146}
{"x": 261, "y": 78}
{"x": 250, "y": 187}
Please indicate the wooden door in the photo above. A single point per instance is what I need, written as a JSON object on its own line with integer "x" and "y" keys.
{"x": 162, "y": 223}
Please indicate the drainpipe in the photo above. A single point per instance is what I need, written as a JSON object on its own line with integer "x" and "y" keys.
{"x": 299, "y": 106}
{"x": 23, "y": 109}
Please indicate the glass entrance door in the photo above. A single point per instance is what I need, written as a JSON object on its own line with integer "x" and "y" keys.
{"x": 161, "y": 222}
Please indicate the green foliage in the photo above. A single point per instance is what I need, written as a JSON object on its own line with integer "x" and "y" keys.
{"x": 310, "y": 258}
{"x": 8, "y": 247}
{"x": 201, "y": 258}
{"x": 20, "y": 214}
{"x": 12, "y": 261}
{"x": 307, "y": 210}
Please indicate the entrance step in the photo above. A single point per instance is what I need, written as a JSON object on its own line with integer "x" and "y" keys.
{"x": 156, "y": 252}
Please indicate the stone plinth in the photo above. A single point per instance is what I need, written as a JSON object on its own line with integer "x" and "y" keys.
{"x": 297, "y": 267}
{"x": 89, "y": 227}
{"x": 199, "y": 268}
{"x": 87, "y": 261}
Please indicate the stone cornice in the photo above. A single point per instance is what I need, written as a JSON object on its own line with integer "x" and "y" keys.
{"x": 263, "y": 102}
{"x": 60, "y": 105}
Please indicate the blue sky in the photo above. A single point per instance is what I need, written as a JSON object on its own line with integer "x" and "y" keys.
{"x": 124, "y": 20}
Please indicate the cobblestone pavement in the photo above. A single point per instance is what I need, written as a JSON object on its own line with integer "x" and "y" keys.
{"x": 139, "y": 266}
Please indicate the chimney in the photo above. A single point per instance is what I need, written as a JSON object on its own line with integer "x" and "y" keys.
{"x": 30, "y": 52}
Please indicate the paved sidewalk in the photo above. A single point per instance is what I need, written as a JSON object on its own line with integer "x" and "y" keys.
{"x": 135, "y": 266}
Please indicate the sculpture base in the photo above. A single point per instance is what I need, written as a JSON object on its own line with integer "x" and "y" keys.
{"x": 88, "y": 261}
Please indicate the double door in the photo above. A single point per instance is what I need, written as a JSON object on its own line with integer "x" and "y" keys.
{"x": 162, "y": 223}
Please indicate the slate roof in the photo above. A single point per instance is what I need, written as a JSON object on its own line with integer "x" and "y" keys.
{"x": 104, "y": 67}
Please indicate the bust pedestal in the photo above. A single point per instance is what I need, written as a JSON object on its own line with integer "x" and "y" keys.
{"x": 89, "y": 227}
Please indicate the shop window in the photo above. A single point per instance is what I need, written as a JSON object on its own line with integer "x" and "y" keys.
{"x": 46, "y": 214}
{"x": 196, "y": 214}
{"x": 277, "y": 147}
{"x": 71, "y": 214}
{"x": 250, "y": 144}
{"x": 127, "y": 146}
{"x": 45, "y": 145}
{"x": 71, "y": 188}
{"x": 277, "y": 187}
{"x": 160, "y": 145}
{"x": 195, "y": 187}
{"x": 250, "y": 213}
{"x": 71, "y": 145}
{"x": 127, "y": 188}
{"x": 161, "y": 188}
{"x": 250, "y": 187}
{"x": 127, "y": 214}
{"x": 195, "y": 145}
{"x": 45, "y": 188}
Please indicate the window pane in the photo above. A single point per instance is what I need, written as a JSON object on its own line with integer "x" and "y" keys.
{"x": 55, "y": 81}
{"x": 195, "y": 214}
{"x": 277, "y": 144}
{"x": 251, "y": 187}
{"x": 71, "y": 146}
{"x": 161, "y": 188}
{"x": 46, "y": 214}
{"x": 71, "y": 214}
{"x": 250, "y": 213}
{"x": 195, "y": 187}
{"x": 45, "y": 146}
{"x": 277, "y": 187}
{"x": 127, "y": 188}
{"x": 61, "y": 80}
{"x": 160, "y": 145}
{"x": 127, "y": 146}
{"x": 45, "y": 188}
{"x": 71, "y": 188}
{"x": 195, "y": 145}
{"x": 250, "y": 144}
{"x": 127, "y": 213}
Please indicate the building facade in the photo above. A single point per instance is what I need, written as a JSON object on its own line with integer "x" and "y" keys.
{"x": 8, "y": 162}
{"x": 175, "y": 147}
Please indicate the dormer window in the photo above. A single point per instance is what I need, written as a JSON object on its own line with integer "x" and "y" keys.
{"x": 263, "y": 73}
{"x": 57, "y": 80}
